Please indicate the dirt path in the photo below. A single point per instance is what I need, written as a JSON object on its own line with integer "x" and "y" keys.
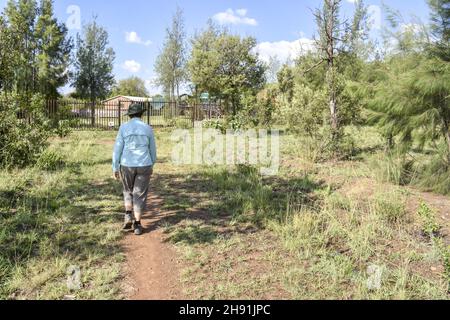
{"x": 151, "y": 268}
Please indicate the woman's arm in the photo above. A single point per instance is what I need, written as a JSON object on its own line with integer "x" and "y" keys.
{"x": 118, "y": 150}
{"x": 152, "y": 147}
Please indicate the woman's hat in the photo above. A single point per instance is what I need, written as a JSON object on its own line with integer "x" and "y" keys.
{"x": 135, "y": 109}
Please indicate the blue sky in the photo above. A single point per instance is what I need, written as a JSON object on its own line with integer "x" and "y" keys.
{"x": 137, "y": 27}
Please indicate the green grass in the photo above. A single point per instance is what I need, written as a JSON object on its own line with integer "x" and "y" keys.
{"x": 56, "y": 217}
{"x": 312, "y": 232}
{"x": 316, "y": 230}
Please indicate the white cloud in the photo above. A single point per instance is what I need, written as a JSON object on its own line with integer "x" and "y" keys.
{"x": 284, "y": 50}
{"x": 352, "y": 1}
{"x": 241, "y": 12}
{"x": 132, "y": 66}
{"x": 133, "y": 37}
{"x": 231, "y": 17}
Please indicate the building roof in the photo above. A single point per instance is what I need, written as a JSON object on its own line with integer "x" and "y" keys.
{"x": 130, "y": 98}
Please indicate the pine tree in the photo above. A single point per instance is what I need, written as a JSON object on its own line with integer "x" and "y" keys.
{"x": 337, "y": 39}
{"x": 413, "y": 100}
{"x": 53, "y": 51}
{"x": 440, "y": 28}
{"x": 21, "y": 16}
{"x": 6, "y": 70}
{"x": 36, "y": 51}
{"x": 170, "y": 65}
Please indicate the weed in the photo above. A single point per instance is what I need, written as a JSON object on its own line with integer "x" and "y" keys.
{"x": 429, "y": 225}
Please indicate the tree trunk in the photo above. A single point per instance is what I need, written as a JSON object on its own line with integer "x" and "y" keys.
{"x": 333, "y": 110}
{"x": 446, "y": 132}
{"x": 447, "y": 138}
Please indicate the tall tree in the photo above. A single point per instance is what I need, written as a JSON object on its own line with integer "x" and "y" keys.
{"x": 21, "y": 16}
{"x": 35, "y": 47}
{"x": 133, "y": 86}
{"x": 93, "y": 74}
{"x": 170, "y": 65}
{"x": 336, "y": 38}
{"x": 226, "y": 66}
{"x": 54, "y": 50}
{"x": 6, "y": 70}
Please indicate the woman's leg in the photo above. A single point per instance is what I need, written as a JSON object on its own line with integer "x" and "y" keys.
{"x": 128, "y": 180}
{"x": 140, "y": 191}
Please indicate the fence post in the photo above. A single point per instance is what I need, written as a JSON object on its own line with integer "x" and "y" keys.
{"x": 193, "y": 114}
{"x": 93, "y": 114}
{"x": 148, "y": 112}
{"x": 120, "y": 114}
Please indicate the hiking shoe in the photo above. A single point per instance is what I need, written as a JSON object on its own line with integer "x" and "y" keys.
{"x": 128, "y": 222}
{"x": 137, "y": 228}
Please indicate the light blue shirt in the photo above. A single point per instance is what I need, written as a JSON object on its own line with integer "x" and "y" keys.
{"x": 135, "y": 146}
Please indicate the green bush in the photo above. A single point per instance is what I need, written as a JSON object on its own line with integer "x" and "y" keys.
{"x": 24, "y": 130}
{"x": 217, "y": 124}
{"x": 306, "y": 114}
{"x": 429, "y": 225}
{"x": 63, "y": 128}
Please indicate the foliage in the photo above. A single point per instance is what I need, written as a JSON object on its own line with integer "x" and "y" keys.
{"x": 307, "y": 112}
{"x": 170, "y": 65}
{"x": 338, "y": 38}
{"x": 6, "y": 69}
{"x": 440, "y": 29}
{"x": 50, "y": 160}
{"x": 225, "y": 66}
{"x": 286, "y": 83}
{"x": 258, "y": 110}
{"x": 429, "y": 225}
{"x": 93, "y": 75}
{"x": 413, "y": 102}
{"x": 54, "y": 52}
{"x": 37, "y": 48}
{"x": 24, "y": 130}
{"x": 132, "y": 86}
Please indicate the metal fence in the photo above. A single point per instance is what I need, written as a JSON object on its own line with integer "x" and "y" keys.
{"x": 110, "y": 115}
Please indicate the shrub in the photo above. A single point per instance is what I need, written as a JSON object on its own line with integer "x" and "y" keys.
{"x": 307, "y": 113}
{"x": 266, "y": 104}
{"x": 429, "y": 225}
{"x": 63, "y": 128}
{"x": 217, "y": 124}
{"x": 24, "y": 130}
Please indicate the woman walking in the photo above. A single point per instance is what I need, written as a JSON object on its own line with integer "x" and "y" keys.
{"x": 133, "y": 160}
